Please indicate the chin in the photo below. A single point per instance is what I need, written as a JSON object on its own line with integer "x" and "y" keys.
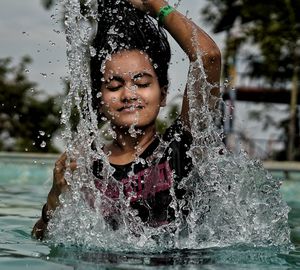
{"x": 136, "y": 124}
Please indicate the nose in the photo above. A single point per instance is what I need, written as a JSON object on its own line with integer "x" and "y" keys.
{"x": 129, "y": 92}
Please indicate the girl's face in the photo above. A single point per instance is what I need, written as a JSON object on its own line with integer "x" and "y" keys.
{"x": 131, "y": 94}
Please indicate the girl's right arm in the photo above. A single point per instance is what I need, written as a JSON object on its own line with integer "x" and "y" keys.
{"x": 59, "y": 186}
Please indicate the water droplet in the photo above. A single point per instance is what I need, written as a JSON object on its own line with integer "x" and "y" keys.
{"x": 226, "y": 83}
{"x": 27, "y": 70}
{"x": 44, "y": 74}
{"x": 42, "y": 133}
{"x": 93, "y": 51}
{"x": 43, "y": 144}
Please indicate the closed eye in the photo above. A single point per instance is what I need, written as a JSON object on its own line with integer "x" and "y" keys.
{"x": 114, "y": 83}
{"x": 113, "y": 88}
{"x": 142, "y": 85}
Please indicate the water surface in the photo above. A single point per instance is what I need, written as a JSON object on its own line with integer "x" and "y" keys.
{"x": 24, "y": 183}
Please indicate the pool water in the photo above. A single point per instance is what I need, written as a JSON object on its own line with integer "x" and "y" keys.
{"x": 24, "y": 184}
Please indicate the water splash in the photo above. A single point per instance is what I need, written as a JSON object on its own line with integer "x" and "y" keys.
{"x": 231, "y": 198}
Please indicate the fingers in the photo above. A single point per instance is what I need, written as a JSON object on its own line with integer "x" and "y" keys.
{"x": 73, "y": 165}
{"x": 59, "y": 182}
{"x": 61, "y": 166}
{"x": 139, "y": 4}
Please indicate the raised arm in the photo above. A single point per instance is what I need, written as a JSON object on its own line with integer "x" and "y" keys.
{"x": 191, "y": 39}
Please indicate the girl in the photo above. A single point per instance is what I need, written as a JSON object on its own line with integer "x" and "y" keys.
{"x": 129, "y": 82}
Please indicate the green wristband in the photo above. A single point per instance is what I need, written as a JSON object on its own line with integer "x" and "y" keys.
{"x": 164, "y": 12}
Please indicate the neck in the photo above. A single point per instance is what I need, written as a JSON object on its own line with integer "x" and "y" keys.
{"x": 133, "y": 138}
{"x": 130, "y": 143}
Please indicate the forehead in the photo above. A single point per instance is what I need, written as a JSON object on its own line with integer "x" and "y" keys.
{"x": 128, "y": 63}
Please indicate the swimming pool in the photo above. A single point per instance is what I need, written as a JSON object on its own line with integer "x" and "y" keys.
{"x": 24, "y": 183}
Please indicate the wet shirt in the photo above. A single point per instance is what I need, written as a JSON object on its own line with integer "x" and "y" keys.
{"x": 149, "y": 180}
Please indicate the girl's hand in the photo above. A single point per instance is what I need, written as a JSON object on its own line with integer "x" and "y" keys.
{"x": 59, "y": 186}
{"x": 139, "y": 4}
{"x": 59, "y": 183}
{"x": 149, "y": 6}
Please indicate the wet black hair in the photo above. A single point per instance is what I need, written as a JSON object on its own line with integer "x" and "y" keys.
{"x": 123, "y": 27}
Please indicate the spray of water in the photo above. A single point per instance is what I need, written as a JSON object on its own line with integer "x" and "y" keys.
{"x": 231, "y": 198}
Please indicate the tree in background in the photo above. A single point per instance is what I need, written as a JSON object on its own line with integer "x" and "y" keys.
{"x": 27, "y": 122}
{"x": 273, "y": 27}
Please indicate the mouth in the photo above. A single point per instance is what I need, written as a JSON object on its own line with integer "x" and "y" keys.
{"x": 130, "y": 108}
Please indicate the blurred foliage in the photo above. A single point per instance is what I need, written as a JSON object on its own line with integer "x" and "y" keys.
{"x": 27, "y": 121}
{"x": 270, "y": 29}
{"x": 271, "y": 26}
